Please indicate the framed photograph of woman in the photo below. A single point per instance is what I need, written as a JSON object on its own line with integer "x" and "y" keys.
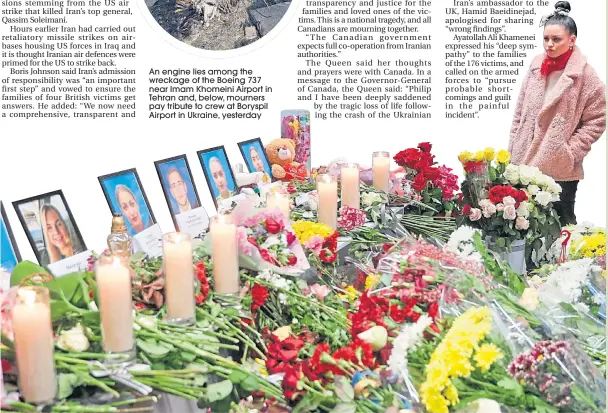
{"x": 9, "y": 253}
{"x": 50, "y": 227}
{"x": 218, "y": 173}
{"x": 178, "y": 185}
{"x": 125, "y": 195}
{"x": 255, "y": 157}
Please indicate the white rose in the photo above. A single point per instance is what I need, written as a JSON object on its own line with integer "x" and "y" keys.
{"x": 484, "y": 203}
{"x": 312, "y": 204}
{"x": 555, "y": 198}
{"x": 489, "y": 210}
{"x": 508, "y": 200}
{"x": 369, "y": 198}
{"x": 522, "y": 210}
{"x": 509, "y": 212}
{"x": 529, "y": 299}
{"x": 533, "y": 189}
{"x": 475, "y": 214}
{"x": 522, "y": 223}
{"x": 543, "y": 198}
{"x": 527, "y": 174}
{"x": 73, "y": 339}
{"x": 512, "y": 173}
{"x": 500, "y": 207}
{"x": 543, "y": 180}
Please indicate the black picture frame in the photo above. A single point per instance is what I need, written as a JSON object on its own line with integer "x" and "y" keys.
{"x": 241, "y": 146}
{"x": 9, "y": 231}
{"x": 158, "y": 165}
{"x": 24, "y": 224}
{"x": 103, "y": 178}
{"x": 208, "y": 178}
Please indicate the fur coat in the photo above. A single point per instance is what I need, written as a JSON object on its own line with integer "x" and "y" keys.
{"x": 556, "y": 134}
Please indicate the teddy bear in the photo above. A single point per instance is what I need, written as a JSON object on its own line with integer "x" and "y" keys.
{"x": 281, "y": 154}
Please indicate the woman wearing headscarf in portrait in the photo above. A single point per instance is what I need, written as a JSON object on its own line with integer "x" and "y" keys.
{"x": 58, "y": 241}
{"x": 561, "y": 110}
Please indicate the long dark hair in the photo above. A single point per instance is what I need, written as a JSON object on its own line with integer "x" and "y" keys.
{"x": 560, "y": 16}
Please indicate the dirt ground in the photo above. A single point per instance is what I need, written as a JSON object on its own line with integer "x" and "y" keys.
{"x": 225, "y": 31}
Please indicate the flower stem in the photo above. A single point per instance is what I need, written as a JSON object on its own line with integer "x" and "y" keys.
{"x": 90, "y": 380}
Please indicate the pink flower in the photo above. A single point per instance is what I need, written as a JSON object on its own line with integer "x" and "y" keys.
{"x": 245, "y": 246}
{"x": 314, "y": 244}
{"x": 489, "y": 210}
{"x": 508, "y": 200}
{"x": 500, "y": 207}
{"x": 351, "y": 218}
{"x": 522, "y": 223}
{"x": 509, "y": 212}
{"x": 475, "y": 214}
{"x": 320, "y": 291}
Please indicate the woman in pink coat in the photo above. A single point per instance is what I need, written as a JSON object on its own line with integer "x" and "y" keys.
{"x": 560, "y": 112}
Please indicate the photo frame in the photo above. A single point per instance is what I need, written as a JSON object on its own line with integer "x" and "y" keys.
{"x": 181, "y": 195}
{"x": 9, "y": 252}
{"x": 218, "y": 174}
{"x": 50, "y": 227}
{"x": 255, "y": 158}
{"x": 125, "y": 195}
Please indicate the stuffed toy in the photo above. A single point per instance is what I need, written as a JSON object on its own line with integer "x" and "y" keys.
{"x": 281, "y": 154}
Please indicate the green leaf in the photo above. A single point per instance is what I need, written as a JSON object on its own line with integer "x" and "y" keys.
{"x": 68, "y": 284}
{"x": 343, "y": 389}
{"x": 66, "y": 384}
{"x": 58, "y": 309}
{"x": 152, "y": 349}
{"x": 25, "y": 269}
{"x": 219, "y": 391}
{"x": 511, "y": 384}
{"x": 187, "y": 356}
{"x": 345, "y": 408}
{"x": 583, "y": 397}
{"x": 250, "y": 384}
{"x": 92, "y": 319}
{"x": 237, "y": 376}
{"x": 500, "y": 242}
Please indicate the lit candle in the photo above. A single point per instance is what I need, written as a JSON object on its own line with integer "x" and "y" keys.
{"x": 350, "y": 185}
{"x": 280, "y": 201}
{"x": 34, "y": 345}
{"x": 327, "y": 192}
{"x": 225, "y": 255}
{"x": 179, "y": 278}
{"x": 116, "y": 306}
{"x": 381, "y": 167}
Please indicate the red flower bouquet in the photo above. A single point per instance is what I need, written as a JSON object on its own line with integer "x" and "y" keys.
{"x": 434, "y": 185}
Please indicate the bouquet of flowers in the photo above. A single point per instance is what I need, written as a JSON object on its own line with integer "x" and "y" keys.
{"x": 478, "y": 170}
{"x": 516, "y": 203}
{"x": 434, "y": 185}
{"x": 319, "y": 239}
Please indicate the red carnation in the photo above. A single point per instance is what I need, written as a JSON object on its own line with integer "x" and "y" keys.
{"x": 201, "y": 276}
{"x": 290, "y": 238}
{"x": 433, "y": 310}
{"x": 425, "y": 147}
{"x": 259, "y": 294}
{"x": 292, "y": 259}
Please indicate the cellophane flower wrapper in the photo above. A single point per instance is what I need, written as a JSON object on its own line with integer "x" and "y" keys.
{"x": 249, "y": 256}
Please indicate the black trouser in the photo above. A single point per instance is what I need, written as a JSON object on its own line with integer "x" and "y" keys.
{"x": 565, "y": 206}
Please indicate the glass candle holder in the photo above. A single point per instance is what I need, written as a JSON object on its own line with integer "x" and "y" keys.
{"x": 327, "y": 192}
{"x": 280, "y": 201}
{"x": 116, "y": 308}
{"x": 179, "y": 278}
{"x": 349, "y": 181}
{"x": 34, "y": 345}
{"x": 381, "y": 170}
{"x": 225, "y": 254}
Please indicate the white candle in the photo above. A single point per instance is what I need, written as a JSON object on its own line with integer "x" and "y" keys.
{"x": 116, "y": 306}
{"x": 34, "y": 345}
{"x": 179, "y": 277}
{"x": 225, "y": 255}
{"x": 381, "y": 168}
{"x": 327, "y": 192}
{"x": 280, "y": 201}
{"x": 350, "y": 185}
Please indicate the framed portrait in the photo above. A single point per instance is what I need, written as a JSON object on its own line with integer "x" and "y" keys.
{"x": 178, "y": 186}
{"x": 218, "y": 173}
{"x": 9, "y": 253}
{"x": 126, "y": 196}
{"x": 255, "y": 157}
{"x": 50, "y": 227}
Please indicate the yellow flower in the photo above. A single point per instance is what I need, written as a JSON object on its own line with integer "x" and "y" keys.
{"x": 451, "y": 394}
{"x": 503, "y": 157}
{"x": 305, "y": 230}
{"x": 371, "y": 280}
{"x": 489, "y": 154}
{"x": 589, "y": 246}
{"x": 479, "y": 156}
{"x": 486, "y": 355}
{"x": 465, "y": 157}
{"x": 351, "y": 294}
